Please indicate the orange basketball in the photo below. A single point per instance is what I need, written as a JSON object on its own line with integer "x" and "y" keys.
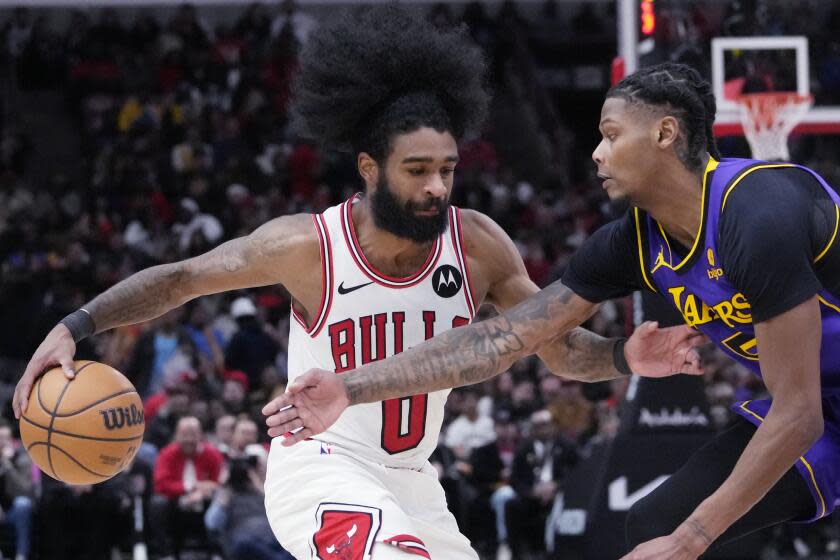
{"x": 84, "y": 430}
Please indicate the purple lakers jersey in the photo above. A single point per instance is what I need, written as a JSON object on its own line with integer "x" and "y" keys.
{"x": 697, "y": 285}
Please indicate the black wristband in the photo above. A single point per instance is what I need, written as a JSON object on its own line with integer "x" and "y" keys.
{"x": 619, "y": 360}
{"x": 80, "y": 324}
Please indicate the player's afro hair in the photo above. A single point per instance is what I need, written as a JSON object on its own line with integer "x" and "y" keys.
{"x": 379, "y": 72}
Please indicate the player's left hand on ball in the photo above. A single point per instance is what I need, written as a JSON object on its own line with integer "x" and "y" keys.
{"x": 310, "y": 405}
{"x": 655, "y": 352}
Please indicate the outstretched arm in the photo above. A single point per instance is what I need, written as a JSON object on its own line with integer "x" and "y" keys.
{"x": 245, "y": 262}
{"x": 262, "y": 258}
{"x": 473, "y": 353}
{"x": 577, "y": 354}
{"x": 461, "y": 356}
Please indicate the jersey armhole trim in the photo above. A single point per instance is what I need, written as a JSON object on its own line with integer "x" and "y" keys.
{"x": 461, "y": 255}
{"x": 833, "y": 235}
{"x": 747, "y": 172}
{"x": 642, "y": 250}
{"x": 325, "y": 248}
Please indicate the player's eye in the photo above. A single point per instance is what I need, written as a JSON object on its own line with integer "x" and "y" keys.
{"x": 447, "y": 171}
{"x": 416, "y": 172}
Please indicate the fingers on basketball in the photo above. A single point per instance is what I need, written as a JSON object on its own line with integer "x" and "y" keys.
{"x": 86, "y": 430}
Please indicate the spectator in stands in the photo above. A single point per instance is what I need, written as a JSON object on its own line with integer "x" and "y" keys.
{"x": 160, "y": 426}
{"x": 154, "y": 349}
{"x": 198, "y": 231}
{"x": 16, "y": 490}
{"x": 539, "y": 468}
{"x": 469, "y": 430}
{"x": 236, "y": 516}
{"x": 207, "y": 339}
{"x": 234, "y": 392}
{"x": 83, "y": 521}
{"x": 244, "y": 441}
{"x": 251, "y": 349}
{"x": 223, "y": 433}
{"x": 490, "y": 475}
{"x": 186, "y": 474}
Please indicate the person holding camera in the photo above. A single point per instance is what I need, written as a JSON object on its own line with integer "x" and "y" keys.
{"x": 236, "y": 516}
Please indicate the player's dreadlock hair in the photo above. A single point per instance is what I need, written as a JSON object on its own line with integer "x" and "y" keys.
{"x": 380, "y": 72}
{"x": 683, "y": 92}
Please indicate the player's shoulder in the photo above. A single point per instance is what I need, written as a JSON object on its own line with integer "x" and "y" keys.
{"x": 623, "y": 227}
{"x": 293, "y": 233}
{"x": 488, "y": 247}
{"x": 772, "y": 189}
{"x": 480, "y": 231}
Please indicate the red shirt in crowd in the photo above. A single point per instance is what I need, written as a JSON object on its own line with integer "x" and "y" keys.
{"x": 169, "y": 468}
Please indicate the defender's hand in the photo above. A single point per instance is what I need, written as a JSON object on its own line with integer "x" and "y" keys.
{"x": 310, "y": 405}
{"x": 655, "y": 352}
{"x": 57, "y": 349}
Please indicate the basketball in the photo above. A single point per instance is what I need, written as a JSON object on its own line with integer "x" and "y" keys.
{"x": 84, "y": 430}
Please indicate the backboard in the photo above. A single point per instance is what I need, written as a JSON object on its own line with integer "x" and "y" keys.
{"x": 753, "y": 64}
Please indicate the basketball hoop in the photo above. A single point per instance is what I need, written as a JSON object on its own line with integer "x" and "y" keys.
{"x": 769, "y": 118}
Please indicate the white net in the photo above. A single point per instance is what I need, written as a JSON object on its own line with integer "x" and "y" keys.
{"x": 769, "y": 118}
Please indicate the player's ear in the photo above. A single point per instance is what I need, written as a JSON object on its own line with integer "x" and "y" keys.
{"x": 667, "y": 131}
{"x": 368, "y": 169}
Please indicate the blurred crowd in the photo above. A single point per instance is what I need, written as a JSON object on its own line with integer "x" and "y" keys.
{"x": 183, "y": 140}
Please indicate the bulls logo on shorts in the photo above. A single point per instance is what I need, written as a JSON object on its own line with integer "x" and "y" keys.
{"x": 346, "y": 531}
{"x": 447, "y": 281}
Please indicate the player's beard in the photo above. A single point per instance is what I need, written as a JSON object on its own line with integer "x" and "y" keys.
{"x": 398, "y": 217}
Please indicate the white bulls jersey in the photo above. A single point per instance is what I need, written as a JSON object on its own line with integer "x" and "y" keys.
{"x": 366, "y": 316}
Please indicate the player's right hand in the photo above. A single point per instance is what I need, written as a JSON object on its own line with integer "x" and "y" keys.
{"x": 309, "y": 406}
{"x": 57, "y": 349}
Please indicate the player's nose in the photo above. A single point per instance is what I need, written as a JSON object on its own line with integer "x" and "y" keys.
{"x": 436, "y": 188}
{"x": 598, "y": 154}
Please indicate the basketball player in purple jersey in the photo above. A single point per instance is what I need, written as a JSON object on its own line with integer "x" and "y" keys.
{"x": 369, "y": 278}
{"x": 747, "y": 251}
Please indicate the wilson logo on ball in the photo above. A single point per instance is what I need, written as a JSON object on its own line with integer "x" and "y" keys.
{"x": 116, "y": 418}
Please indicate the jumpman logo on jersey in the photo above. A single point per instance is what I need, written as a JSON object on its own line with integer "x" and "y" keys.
{"x": 660, "y": 261}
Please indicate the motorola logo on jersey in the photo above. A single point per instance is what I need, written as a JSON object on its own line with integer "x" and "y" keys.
{"x": 447, "y": 281}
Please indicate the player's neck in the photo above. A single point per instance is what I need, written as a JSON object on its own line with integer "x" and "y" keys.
{"x": 388, "y": 253}
{"x": 675, "y": 200}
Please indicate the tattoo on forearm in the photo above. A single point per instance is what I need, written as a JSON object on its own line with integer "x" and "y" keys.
{"x": 140, "y": 297}
{"x": 501, "y": 340}
{"x": 154, "y": 291}
{"x": 581, "y": 354}
{"x": 468, "y": 354}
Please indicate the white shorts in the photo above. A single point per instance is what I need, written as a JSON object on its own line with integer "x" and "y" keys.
{"x": 326, "y": 505}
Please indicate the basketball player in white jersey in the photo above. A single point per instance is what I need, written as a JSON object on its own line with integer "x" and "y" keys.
{"x": 369, "y": 278}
